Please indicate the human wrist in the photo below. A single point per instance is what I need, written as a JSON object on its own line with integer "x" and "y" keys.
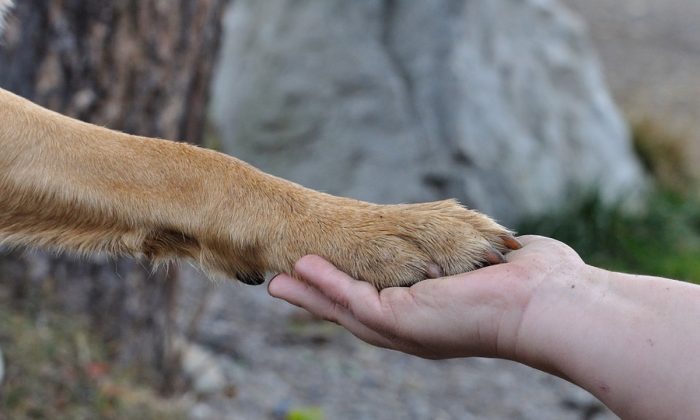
{"x": 559, "y": 316}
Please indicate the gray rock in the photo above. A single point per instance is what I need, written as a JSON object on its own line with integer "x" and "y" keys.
{"x": 2, "y": 367}
{"x": 499, "y": 103}
{"x": 202, "y": 368}
{"x": 5, "y": 6}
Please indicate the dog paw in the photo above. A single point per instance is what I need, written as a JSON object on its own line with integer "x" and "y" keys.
{"x": 399, "y": 245}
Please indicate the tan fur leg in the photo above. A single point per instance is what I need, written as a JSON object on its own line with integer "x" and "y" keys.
{"x": 70, "y": 185}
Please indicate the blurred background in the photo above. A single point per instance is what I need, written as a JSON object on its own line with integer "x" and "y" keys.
{"x": 576, "y": 120}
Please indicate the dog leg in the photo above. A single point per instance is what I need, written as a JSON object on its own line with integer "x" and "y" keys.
{"x": 68, "y": 185}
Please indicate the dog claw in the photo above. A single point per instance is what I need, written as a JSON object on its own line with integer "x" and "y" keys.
{"x": 251, "y": 279}
{"x": 511, "y": 243}
{"x": 494, "y": 257}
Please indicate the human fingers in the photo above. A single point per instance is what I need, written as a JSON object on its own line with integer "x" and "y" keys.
{"x": 302, "y": 294}
{"x": 359, "y": 297}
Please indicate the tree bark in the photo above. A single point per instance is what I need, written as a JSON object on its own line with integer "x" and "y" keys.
{"x": 142, "y": 67}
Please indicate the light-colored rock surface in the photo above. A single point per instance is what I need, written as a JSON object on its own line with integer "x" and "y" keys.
{"x": 499, "y": 103}
{"x": 5, "y": 6}
{"x": 2, "y": 367}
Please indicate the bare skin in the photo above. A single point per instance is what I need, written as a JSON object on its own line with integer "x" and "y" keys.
{"x": 632, "y": 341}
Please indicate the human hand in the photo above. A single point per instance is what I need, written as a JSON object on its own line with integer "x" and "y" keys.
{"x": 617, "y": 335}
{"x": 479, "y": 313}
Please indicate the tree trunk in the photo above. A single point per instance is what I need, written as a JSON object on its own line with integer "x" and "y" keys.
{"x": 142, "y": 67}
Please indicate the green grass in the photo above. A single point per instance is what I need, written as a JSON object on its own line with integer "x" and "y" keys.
{"x": 56, "y": 370}
{"x": 664, "y": 240}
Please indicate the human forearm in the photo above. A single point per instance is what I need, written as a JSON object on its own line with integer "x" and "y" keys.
{"x": 630, "y": 340}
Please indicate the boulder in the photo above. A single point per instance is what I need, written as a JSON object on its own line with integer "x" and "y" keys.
{"x": 498, "y": 103}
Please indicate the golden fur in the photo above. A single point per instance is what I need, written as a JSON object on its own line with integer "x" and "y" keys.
{"x": 68, "y": 185}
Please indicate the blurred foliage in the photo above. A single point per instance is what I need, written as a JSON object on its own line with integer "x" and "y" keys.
{"x": 664, "y": 155}
{"x": 305, "y": 413}
{"x": 663, "y": 240}
{"x": 54, "y": 369}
